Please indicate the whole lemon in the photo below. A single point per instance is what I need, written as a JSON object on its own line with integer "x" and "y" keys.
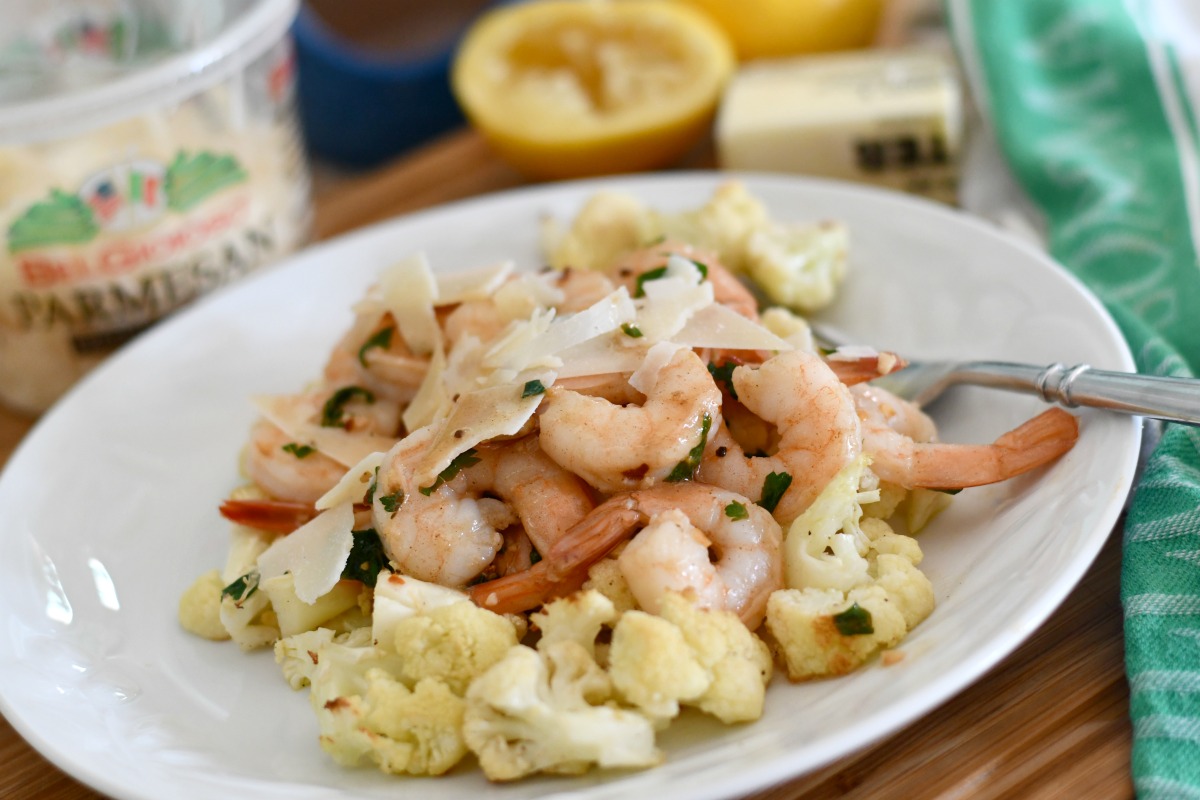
{"x": 773, "y": 28}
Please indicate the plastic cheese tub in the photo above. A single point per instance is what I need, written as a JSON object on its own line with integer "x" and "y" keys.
{"x": 133, "y": 182}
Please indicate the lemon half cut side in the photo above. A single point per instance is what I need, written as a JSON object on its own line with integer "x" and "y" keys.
{"x": 571, "y": 88}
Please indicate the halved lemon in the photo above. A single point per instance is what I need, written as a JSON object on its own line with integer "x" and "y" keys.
{"x": 569, "y": 88}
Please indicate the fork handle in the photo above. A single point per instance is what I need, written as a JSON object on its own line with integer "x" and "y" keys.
{"x": 1172, "y": 399}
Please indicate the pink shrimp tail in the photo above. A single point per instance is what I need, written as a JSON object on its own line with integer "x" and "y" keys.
{"x": 867, "y": 368}
{"x": 1028, "y": 446}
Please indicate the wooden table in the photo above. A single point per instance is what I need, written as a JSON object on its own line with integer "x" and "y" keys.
{"x": 1050, "y": 721}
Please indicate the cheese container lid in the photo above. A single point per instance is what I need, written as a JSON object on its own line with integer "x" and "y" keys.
{"x": 68, "y": 67}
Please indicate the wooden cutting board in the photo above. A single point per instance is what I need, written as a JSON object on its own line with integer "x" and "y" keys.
{"x": 1052, "y": 721}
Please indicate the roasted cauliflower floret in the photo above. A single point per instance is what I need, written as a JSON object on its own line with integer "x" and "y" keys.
{"x": 738, "y": 661}
{"x": 609, "y": 225}
{"x": 605, "y": 577}
{"x": 403, "y": 731}
{"x": 825, "y": 547}
{"x": 298, "y": 655}
{"x": 854, "y": 586}
{"x": 200, "y": 607}
{"x": 365, "y": 713}
{"x": 453, "y": 643}
{"x": 577, "y": 617}
{"x": 795, "y": 265}
{"x": 691, "y": 656}
{"x": 652, "y": 667}
{"x": 544, "y": 711}
{"x": 800, "y": 266}
{"x": 822, "y": 632}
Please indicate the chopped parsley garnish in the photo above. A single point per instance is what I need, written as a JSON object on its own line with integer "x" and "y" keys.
{"x": 700, "y": 266}
{"x": 371, "y": 489}
{"x": 366, "y": 559}
{"x": 948, "y": 491}
{"x": 391, "y": 502}
{"x": 382, "y": 339}
{"x": 534, "y": 556}
{"x": 532, "y": 388}
{"x": 646, "y": 277}
{"x": 242, "y": 588}
{"x": 724, "y": 375}
{"x": 631, "y": 330}
{"x": 736, "y": 510}
{"x": 334, "y": 412}
{"x": 298, "y": 450}
{"x": 684, "y": 469}
{"x": 827, "y": 351}
{"x": 854, "y": 621}
{"x": 657, "y": 240}
{"x": 461, "y": 461}
{"x": 773, "y": 488}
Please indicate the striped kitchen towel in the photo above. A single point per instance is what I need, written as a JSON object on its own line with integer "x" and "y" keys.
{"x": 1095, "y": 105}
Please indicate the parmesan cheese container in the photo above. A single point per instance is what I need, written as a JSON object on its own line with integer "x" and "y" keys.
{"x": 149, "y": 153}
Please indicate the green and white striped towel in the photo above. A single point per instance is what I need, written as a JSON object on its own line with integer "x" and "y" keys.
{"x": 1094, "y": 105}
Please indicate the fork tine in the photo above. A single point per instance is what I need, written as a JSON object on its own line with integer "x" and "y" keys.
{"x": 827, "y": 337}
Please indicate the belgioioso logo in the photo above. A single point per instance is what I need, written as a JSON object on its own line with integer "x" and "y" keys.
{"x": 124, "y": 196}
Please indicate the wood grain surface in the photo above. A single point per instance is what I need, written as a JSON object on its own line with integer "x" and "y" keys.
{"x": 1051, "y": 721}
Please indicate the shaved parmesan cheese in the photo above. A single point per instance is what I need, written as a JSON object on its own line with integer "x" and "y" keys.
{"x": 541, "y": 349}
{"x": 519, "y": 297}
{"x": 409, "y": 292}
{"x": 315, "y": 553}
{"x": 788, "y": 325}
{"x": 721, "y": 327}
{"x": 292, "y": 415}
{"x": 514, "y": 350}
{"x": 669, "y": 304}
{"x": 398, "y": 597}
{"x": 853, "y": 352}
{"x": 476, "y": 417}
{"x": 604, "y": 355}
{"x": 353, "y": 485}
{"x": 475, "y": 284}
{"x": 431, "y": 396}
{"x": 657, "y": 357}
{"x": 680, "y": 267}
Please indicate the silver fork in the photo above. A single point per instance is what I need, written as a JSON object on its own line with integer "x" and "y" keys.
{"x": 1171, "y": 399}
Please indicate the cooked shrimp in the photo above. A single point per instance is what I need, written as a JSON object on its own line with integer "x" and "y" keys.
{"x": 437, "y": 534}
{"x": 712, "y": 543}
{"x": 282, "y": 468}
{"x": 451, "y": 532}
{"x": 850, "y": 371}
{"x": 727, "y": 289}
{"x": 613, "y": 387}
{"x": 516, "y": 555}
{"x": 581, "y": 289}
{"x": 853, "y": 371}
{"x": 818, "y": 429}
{"x": 281, "y": 516}
{"x": 879, "y": 407}
{"x": 377, "y": 358}
{"x": 545, "y": 498}
{"x": 898, "y": 459}
{"x": 479, "y": 318}
{"x": 522, "y": 591}
{"x": 615, "y": 448}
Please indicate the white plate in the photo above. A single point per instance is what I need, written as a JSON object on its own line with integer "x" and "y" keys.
{"x": 109, "y": 509}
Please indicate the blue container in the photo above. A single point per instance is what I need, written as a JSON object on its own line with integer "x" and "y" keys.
{"x": 358, "y": 107}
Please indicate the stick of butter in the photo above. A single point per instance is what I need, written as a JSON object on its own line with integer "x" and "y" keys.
{"x": 892, "y": 118}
